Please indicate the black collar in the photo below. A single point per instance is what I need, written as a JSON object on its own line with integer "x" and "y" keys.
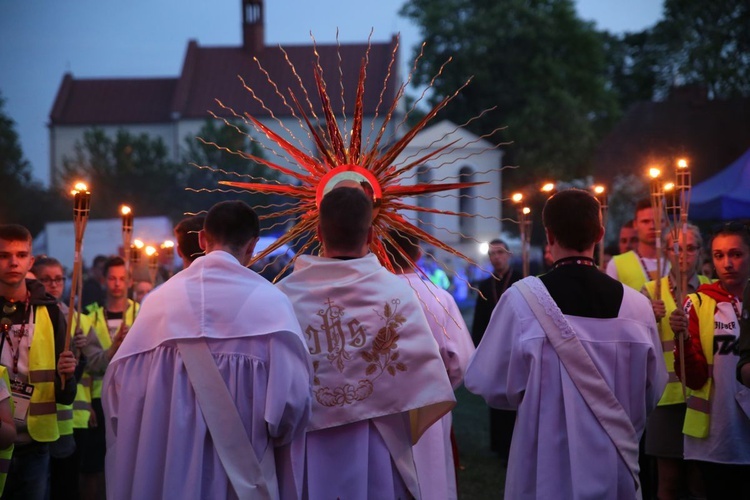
{"x": 574, "y": 260}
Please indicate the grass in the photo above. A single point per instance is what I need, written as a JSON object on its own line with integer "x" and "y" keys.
{"x": 481, "y": 475}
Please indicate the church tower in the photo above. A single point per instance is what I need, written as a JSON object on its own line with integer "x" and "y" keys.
{"x": 252, "y": 26}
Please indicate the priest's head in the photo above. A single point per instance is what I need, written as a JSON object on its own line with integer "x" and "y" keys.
{"x": 233, "y": 227}
{"x": 345, "y": 226}
{"x": 402, "y": 250}
{"x": 573, "y": 223}
{"x": 186, "y": 234}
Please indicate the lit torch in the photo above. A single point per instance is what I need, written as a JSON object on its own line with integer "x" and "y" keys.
{"x": 525, "y": 238}
{"x": 167, "y": 249}
{"x": 657, "y": 207}
{"x": 682, "y": 192}
{"x": 683, "y": 189}
{"x": 523, "y": 213}
{"x": 127, "y": 234}
{"x": 601, "y": 195}
{"x": 136, "y": 249}
{"x": 81, "y": 209}
{"x": 672, "y": 209}
{"x": 153, "y": 263}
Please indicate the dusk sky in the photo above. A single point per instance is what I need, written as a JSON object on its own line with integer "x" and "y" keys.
{"x": 42, "y": 39}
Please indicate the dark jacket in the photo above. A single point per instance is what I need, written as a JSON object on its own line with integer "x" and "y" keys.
{"x": 492, "y": 288}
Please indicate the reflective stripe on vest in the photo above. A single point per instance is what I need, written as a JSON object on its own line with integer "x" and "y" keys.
{"x": 630, "y": 272}
{"x": 82, "y": 403}
{"x": 6, "y": 453}
{"x": 99, "y": 324}
{"x": 65, "y": 419}
{"x": 42, "y": 418}
{"x": 698, "y": 414}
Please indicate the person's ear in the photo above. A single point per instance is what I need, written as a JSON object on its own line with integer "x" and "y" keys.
{"x": 250, "y": 250}
{"x": 202, "y": 239}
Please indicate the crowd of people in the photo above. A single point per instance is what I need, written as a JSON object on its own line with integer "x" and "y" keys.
{"x": 689, "y": 440}
{"x": 338, "y": 381}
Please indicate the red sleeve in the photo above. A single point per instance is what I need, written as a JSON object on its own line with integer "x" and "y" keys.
{"x": 696, "y": 366}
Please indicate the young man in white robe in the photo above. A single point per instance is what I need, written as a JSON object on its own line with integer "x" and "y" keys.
{"x": 559, "y": 448}
{"x": 379, "y": 382}
{"x": 433, "y": 454}
{"x": 158, "y": 442}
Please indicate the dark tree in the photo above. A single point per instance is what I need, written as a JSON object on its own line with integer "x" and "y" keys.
{"x": 697, "y": 43}
{"x": 208, "y": 160}
{"x": 23, "y": 201}
{"x": 543, "y": 67}
{"x": 129, "y": 168}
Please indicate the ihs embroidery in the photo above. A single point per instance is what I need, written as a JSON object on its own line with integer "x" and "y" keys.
{"x": 334, "y": 335}
{"x": 381, "y": 356}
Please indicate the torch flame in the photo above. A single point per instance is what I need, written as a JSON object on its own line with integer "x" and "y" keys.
{"x": 79, "y": 187}
{"x": 654, "y": 172}
{"x": 598, "y": 189}
{"x": 125, "y": 210}
{"x": 138, "y": 244}
{"x": 526, "y": 210}
{"x": 150, "y": 250}
{"x": 669, "y": 186}
{"x": 547, "y": 187}
{"x": 168, "y": 244}
{"x": 517, "y": 197}
{"x": 682, "y": 163}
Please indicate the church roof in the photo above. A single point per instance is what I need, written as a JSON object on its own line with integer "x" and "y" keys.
{"x": 112, "y": 101}
{"x": 210, "y": 73}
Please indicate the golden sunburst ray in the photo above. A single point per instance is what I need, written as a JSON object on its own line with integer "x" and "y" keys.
{"x": 341, "y": 154}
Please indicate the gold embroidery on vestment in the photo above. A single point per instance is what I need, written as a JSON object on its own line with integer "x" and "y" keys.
{"x": 382, "y": 355}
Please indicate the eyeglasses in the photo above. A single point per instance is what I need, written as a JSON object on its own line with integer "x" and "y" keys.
{"x": 56, "y": 281}
{"x": 690, "y": 249}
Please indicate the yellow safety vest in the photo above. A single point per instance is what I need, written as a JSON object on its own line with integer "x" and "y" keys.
{"x": 7, "y": 453}
{"x": 698, "y": 415}
{"x": 99, "y": 323}
{"x": 42, "y": 418}
{"x": 673, "y": 391}
{"x": 630, "y": 271}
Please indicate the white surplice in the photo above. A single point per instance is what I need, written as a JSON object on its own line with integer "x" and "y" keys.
{"x": 158, "y": 445}
{"x": 559, "y": 449}
{"x": 379, "y": 381}
{"x": 433, "y": 454}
